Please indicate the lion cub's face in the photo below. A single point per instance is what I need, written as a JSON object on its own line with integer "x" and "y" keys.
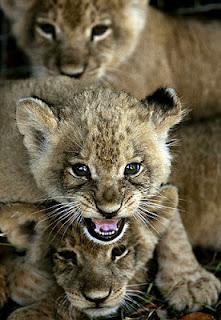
{"x": 97, "y": 279}
{"x": 76, "y": 37}
{"x": 102, "y": 155}
{"x": 94, "y": 277}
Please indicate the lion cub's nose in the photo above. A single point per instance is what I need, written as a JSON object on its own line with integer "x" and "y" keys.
{"x": 97, "y": 296}
{"x": 107, "y": 214}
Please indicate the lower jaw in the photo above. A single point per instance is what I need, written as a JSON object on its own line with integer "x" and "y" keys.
{"x": 100, "y": 312}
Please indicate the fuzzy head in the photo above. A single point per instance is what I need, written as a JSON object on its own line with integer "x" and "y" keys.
{"x": 102, "y": 155}
{"x": 98, "y": 280}
{"x": 78, "y": 38}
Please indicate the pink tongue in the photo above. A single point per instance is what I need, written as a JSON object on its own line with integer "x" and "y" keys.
{"x": 105, "y": 225}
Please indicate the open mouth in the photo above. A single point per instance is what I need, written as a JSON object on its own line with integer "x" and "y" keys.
{"x": 105, "y": 229}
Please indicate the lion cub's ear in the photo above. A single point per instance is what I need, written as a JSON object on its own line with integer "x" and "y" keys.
{"x": 36, "y": 122}
{"x": 165, "y": 110}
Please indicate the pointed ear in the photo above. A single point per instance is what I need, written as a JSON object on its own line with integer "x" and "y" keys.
{"x": 14, "y": 8}
{"x": 165, "y": 110}
{"x": 36, "y": 122}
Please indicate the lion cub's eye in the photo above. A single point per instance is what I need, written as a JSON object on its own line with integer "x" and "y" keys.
{"x": 99, "y": 31}
{"x": 81, "y": 170}
{"x": 119, "y": 252}
{"x": 69, "y": 256}
{"x": 47, "y": 30}
{"x": 132, "y": 169}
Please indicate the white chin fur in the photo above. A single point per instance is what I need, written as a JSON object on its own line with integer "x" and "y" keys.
{"x": 101, "y": 312}
{"x": 90, "y": 237}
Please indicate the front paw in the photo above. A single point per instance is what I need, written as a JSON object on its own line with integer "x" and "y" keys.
{"x": 189, "y": 290}
{"x": 28, "y": 283}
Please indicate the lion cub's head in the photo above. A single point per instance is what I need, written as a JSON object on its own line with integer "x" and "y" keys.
{"x": 76, "y": 38}
{"x": 101, "y": 154}
{"x": 93, "y": 278}
{"x": 97, "y": 279}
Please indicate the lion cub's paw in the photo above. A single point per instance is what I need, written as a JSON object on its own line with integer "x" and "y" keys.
{"x": 28, "y": 283}
{"x": 27, "y": 313}
{"x": 191, "y": 290}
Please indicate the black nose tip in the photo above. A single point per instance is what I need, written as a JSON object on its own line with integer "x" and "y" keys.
{"x": 108, "y": 215}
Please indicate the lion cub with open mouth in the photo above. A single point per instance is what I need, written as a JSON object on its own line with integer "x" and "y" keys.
{"x": 102, "y": 156}
{"x": 87, "y": 279}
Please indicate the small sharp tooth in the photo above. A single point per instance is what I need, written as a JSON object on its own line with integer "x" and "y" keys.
{"x": 107, "y": 233}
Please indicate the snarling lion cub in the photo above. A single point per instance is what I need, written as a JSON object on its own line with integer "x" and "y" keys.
{"x": 102, "y": 156}
{"x": 135, "y": 47}
{"x": 90, "y": 278}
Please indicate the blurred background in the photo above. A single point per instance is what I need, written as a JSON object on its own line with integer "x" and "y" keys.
{"x": 210, "y": 8}
{"x": 13, "y": 63}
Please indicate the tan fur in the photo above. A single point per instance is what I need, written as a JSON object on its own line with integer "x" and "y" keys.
{"x": 93, "y": 126}
{"x": 197, "y": 173}
{"x": 19, "y": 185}
{"x": 27, "y": 277}
{"x": 106, "y": 130}
{"x": 96, "y": 272}
{"x": 183, "y": 282}
{"x": 142, "y": 50}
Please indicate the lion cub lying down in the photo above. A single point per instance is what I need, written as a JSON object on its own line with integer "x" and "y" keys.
{"x": 127, "y": 42}
{"x": 88, "y": 278}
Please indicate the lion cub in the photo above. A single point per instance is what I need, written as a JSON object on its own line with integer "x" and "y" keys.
{"x": 89, "y": 279}
{"x": 102, "y": 156}
{"x": 135, "y": 47}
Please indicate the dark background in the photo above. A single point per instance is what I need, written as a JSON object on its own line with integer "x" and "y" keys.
{"x": 208, "y": 7}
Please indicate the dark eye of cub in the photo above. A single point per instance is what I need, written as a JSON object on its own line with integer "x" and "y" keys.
{"x": 98, "y": 30}
{"x": 81, "y": 170}
{"x": 118, "y": 251}
{"x": 132, "y": 168}
{"x": 48, "y": 29}
{"x": 68, "y": 256}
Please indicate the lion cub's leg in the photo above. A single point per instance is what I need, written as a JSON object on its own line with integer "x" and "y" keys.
{"x": 28, "y": 278}
{"x": 36, "y": 311}
{"x": 182, "y": 281}
{"x": 28, "y": 282}
{"x": 52, "y": 307}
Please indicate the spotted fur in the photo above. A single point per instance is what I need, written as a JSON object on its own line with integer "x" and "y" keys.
{"x": 93, "y": 280}
{"x": 140, "y": 50}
